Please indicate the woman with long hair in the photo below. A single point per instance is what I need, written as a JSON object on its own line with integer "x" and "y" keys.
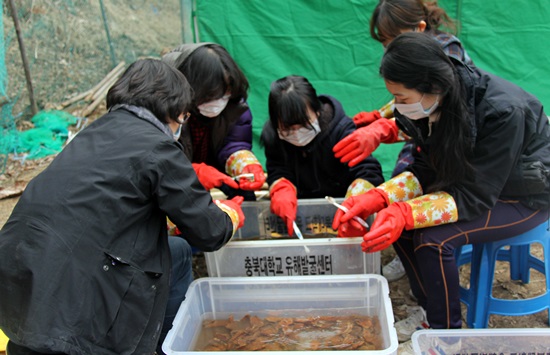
{"x": 480, "y": 172}
{"x": 389, "y": 19}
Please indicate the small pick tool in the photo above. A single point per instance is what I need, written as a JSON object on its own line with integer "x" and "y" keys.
{"x": 343, "y": 208}
{"x": 249, "y": 176}
{"x": 299, "y": 234}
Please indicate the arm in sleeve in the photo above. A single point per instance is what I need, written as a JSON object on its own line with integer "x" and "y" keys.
{"x": 185, "y": 201}
{"x": 238, "y": 138}
{"x": 363, "y": 119}
{"x": 368, "y": 172}
{"x": 496, "y": 151}
{"x": 277, "y": 162}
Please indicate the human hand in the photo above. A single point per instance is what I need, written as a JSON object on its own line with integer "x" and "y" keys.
{"x": 211, "y": 177}
{"x": 363, "y": 118}
{"x": 235, "y": 204}
{"x": 284, "y": 202}
{"x": 362, "y": 206}
{"x": 257, "y": 182}
{"x": 351, "y": 229}
{"x": 360, "y": 144}
{"x": 387, "y": 227}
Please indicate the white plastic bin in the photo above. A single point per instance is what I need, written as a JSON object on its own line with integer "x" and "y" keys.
{"x": 219, "y": 298}
{"x": 253, "y": 252}
{"x": 502, "y": 341}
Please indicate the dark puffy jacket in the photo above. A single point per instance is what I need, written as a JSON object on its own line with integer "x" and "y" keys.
{"x": 84, "y": 258}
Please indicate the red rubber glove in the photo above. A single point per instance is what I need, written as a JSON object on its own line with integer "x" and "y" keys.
{"x": 351, "y": 229}
{"x": 211, "y": 177}
{"x": 388, "y": 226}
{"x": 235, "y": 204}
{"x": 362, "y": 205}
{"x": 363, "y": 118}
{"x": 360, "y": 144}
{"x": 284, "y": 202}
{"x": 259, "y": 177}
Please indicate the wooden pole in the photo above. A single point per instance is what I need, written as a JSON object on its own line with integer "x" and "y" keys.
{"x": 114, "y": 72}
{"x": 106, "y": 26}
{"x": 74, "y": 99}
{"x": 34, "y": 108}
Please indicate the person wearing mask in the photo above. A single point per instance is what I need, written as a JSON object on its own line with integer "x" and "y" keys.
{"x": 389, "y": 19}
{"x": 480, "y": 172}
{"x": 298, "y": 140}
{"x": 84, "y": 257}
{"x": 217, "y": 138}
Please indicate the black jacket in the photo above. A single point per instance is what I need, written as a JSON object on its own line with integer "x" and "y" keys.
{"x": 313, "y": 169}
{"x": 511, "y": 147}
{"x": 84, "y": 258}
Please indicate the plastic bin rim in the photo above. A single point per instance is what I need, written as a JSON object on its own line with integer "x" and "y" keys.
{"x": 291, "y": 279}
{"x": 480, "y": 332}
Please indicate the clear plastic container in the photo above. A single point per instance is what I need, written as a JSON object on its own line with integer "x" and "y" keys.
{"x": 219, "y": 298}
{"x": 263, "y": 248}
{"x": 502, "y": 341}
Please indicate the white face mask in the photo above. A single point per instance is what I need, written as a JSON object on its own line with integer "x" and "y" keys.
{"x": 213, "y": 108}
{"x": 177, "y": 134}
{"x": 416, "y": 111}
{"x": 301, "y": 136}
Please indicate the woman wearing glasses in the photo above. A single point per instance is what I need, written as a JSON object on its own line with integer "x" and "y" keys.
{"x": 298, "y": 138}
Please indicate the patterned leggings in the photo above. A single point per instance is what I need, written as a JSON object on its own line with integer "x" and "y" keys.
{"x": 428, "y": 256}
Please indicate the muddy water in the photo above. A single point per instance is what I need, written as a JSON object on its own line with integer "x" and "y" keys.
{"x": 316, "y": 333}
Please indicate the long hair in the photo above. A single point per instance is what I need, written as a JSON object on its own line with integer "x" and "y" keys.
{"x": 154, "y": 85}
{"x": 212, "y": 72}
{"x": 392, "y": 17}
{"x": 417, "y": 61}
{"x": 289, "y": 99}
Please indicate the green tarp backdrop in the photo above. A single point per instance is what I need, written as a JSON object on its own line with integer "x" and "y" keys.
{"x": 328, "y": 42}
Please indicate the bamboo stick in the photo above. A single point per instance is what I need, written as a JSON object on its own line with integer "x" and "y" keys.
{"x": 97, "y": 93}
{"x": 99, "y": 96}
{"x": 106, "y": 86}
{"x": 115, "y": 70}
{"x": 90, "y": 108}
{"x": 34, "y": 107}
{"x": 73, "y": 99}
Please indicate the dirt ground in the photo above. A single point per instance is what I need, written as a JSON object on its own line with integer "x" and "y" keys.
{"x": 17, "y": 175}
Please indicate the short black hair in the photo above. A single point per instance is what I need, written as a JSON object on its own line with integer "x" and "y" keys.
{"x": 154, "y": 85}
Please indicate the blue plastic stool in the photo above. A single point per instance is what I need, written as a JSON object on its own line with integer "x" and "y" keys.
{"x": 479, "y": 298}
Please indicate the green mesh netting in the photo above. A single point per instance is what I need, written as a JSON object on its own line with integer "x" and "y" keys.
{"x": 72, "y": 44}
{"x": 3, "y": 72}
{"x": 329, "y": 42}
{"x": 48, "y": 135}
